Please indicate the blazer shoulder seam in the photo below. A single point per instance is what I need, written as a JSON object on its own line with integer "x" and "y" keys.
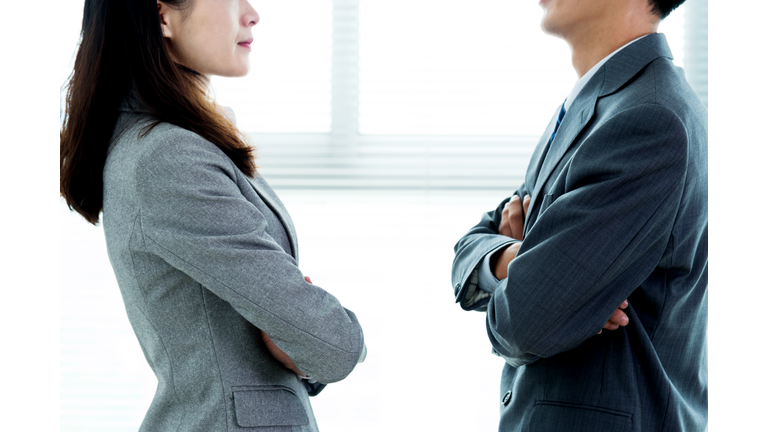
{"x": 171, "y": 136}
{"x": 142, "y": 310}
{"x": 216, "y": 356}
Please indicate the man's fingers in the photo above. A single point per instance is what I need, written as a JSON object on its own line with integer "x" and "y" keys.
{"x": 516, "y": 218}
{"x": 619, "y": 317}
{"x": 526, "y": 204}
{"x": 509, "y": 253}
{"x": 504, "y": 228}
{"x": 513, "y": 217}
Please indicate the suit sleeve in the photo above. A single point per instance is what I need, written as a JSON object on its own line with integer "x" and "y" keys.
{"x": 595, "y": 243}
{"x": 194, "y": 216}
{"x": 470, "y": 251}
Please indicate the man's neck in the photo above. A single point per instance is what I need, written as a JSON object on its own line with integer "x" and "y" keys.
{"x": 591, "y": 46}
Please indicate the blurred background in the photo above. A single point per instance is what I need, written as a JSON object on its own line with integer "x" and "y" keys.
{"x": 387, "y": 128}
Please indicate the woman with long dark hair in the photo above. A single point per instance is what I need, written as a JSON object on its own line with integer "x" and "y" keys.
{"x": 203, "y": 250}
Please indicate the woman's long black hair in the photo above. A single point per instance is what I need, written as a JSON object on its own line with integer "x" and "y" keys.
{"x": 122, "y": 49}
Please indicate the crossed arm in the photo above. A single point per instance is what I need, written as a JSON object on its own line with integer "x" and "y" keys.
{"x": 194, "y": 216}
{"x": 512, "y": 224}
{"x": 602, "y": 228}
{"x": 278, "y": 354}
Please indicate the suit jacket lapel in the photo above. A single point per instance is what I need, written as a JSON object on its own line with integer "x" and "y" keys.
{"x": 274, "y": 203}
{"x": 534, "y": 167}
{"x": 578, "y": 115}
{"x": 610, "y": 78}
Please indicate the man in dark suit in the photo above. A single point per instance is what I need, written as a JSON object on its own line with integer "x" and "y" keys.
{"x": 594, "y": 273}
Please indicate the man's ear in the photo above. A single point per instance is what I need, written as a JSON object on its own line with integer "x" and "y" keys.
{"x": 164, "y": 12}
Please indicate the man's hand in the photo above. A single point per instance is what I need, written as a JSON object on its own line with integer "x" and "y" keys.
{"x": 512, "y": 222}
{"x": 277, "y": 353}
{"x": 504, "y": 258}
{"x": 619, "y": 318}
{"x": 513, "y": 217}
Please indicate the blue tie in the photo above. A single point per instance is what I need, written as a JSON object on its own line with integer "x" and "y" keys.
{"x": 551, "y": 138}
{"x": 559, "y": 120}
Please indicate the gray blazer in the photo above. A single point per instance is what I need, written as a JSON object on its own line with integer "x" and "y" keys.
{"x": 618, "y": 211}
{"x": 205, "y": 257}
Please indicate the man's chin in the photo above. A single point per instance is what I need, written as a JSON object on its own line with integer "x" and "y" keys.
{"x": 548, "y": 27}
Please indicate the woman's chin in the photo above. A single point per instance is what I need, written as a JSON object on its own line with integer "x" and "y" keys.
{"x": 235, "y": 72}
{"x": 243, "y": 69}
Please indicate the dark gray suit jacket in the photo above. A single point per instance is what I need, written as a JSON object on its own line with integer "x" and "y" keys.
{"x": 618, "y": 211}
{"x": 205, "y": 257}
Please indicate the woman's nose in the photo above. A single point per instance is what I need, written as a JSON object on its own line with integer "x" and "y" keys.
{"x": 251, "y": 17}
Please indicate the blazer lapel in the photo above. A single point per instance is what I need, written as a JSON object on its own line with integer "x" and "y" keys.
{"x": 578, "y": 115}
{"x": 534, "y": 167}
{"x": 610, "y": 78}
{"x": 273, "y": 202}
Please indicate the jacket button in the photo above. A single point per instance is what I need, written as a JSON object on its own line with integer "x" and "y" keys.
{"x": 457, "y": 288}
{"x": 506, "y": 398}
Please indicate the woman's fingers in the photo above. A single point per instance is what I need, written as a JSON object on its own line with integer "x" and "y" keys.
{"x": 279, "y": 355}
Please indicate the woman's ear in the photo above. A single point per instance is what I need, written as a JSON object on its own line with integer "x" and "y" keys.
{"x": 164, "y": 12}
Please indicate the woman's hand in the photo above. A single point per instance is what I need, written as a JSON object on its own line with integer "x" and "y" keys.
{"x": 278, "y": 354}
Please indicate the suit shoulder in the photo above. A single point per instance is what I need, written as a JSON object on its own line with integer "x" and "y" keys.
{"x": 165, "y": 153}
{"x": 174, "y": 141}
{"x": 660, "y": 87}
{"x": 650, "y": 126}
{"x": 169, "y": 146}
{"x": 672, "y": 87}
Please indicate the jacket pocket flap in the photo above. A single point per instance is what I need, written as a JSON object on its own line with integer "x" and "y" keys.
{"x": 551, "y": 416}
{"x": 268, "y": 406}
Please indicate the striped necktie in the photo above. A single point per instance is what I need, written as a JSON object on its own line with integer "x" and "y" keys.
{"x": 559, "y": 120}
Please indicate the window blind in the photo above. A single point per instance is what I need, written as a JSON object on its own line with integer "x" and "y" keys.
{"x": 435, "y": 95}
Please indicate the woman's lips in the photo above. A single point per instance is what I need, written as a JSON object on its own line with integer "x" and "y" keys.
{"x": 246, "y": 43}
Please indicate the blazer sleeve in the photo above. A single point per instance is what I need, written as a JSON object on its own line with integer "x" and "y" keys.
{"x": 598, "y": 241}
{"x": 193, "y": 215}
{"x": 470, "y": 251}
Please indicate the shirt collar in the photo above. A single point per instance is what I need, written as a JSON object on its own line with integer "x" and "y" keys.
{"x": 587, "y": 76}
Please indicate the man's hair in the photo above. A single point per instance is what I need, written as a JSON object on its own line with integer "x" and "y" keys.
{"x": 662, "y": 8}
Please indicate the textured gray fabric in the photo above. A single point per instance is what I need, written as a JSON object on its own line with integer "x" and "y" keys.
{"x": 618, "y": 211}
{"x": 205, "y": 257}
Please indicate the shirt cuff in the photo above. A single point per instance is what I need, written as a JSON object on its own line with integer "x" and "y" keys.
{"x": 363, "y": 355}
{"x": 487, "y": 280}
